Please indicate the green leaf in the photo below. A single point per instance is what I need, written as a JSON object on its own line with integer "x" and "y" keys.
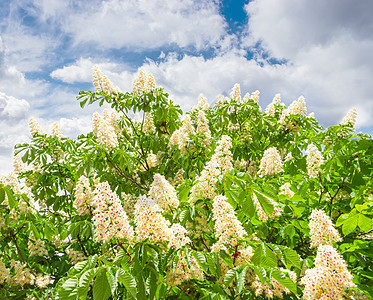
{"x": 85, "y": 282}
{"x": 241, "y": 276}
{"x": 342, "y": 218}
{"x": 248, "y": 205}
{"x": 263, "y": 256}
{"x": 128, "y": 281}
{"x": 68, "y": 290}
{"x": 365, "y": 223}
{"x": 80, "y": 266}
{"x": 350, "y": 224}
{"x": 232, "y": 197}
{"x": 227, "y": 258}
{"x": 101, "y": 287}
{"x": 184, "y": 192}
{"x": 292, "y": 256}
{"x": 261, "y": 272}
{"x": 11, "y": 201}
{"x": 201, "y": 259}
{"x": 284, "y": 279}
{"x": 211, "y": 264}
{"x": 2, "y": 194}
{"x": 265, "y": 202}
{"x": 112, "y": 279}
{"x": 228, "y": 278}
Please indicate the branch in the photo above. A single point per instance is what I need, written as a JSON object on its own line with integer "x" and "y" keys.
{"x": 18, "y": 250}
{"x": 121, "y": 173}
{"x": 81, "y": 245}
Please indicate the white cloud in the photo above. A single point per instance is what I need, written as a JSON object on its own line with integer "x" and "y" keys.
{"x": 328, "y": 49}
{"x": 148, "y": 24}
{"x": 80, "y": 71}
{"x": 12, "y": 108}
{"x": 13, "y": 127}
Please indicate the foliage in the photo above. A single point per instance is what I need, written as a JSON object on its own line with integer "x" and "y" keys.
{"x": 45, "y": 228}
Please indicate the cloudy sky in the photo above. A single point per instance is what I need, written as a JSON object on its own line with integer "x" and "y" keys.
{"x": 320, "y": 49}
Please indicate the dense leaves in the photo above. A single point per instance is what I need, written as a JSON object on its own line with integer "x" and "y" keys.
{"x": 39, "y": 205}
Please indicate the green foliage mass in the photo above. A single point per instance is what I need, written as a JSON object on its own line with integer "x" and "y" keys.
{"x": 123, "y": 269}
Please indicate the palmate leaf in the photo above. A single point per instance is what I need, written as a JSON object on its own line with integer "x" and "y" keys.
{"x": 128, "y": 281}
{"x": 68, "y": 290}
{"x": 287, "y": 256}
{"x": 229, "y": 277}
{"x": 240, "y": 277}
{"x": 85, "y": 282}
{"x": 284, "y": 279}
{"x": 265, "y": 202}
{"x": 263, "y": 256}
{"x": 101, "y": 287}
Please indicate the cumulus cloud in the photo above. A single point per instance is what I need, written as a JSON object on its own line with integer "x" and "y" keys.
{"x": 145, "y": 24}
{"x": 12, "y": 108}
{"x": 13, "y": 126}
{"x": 80, "y": 71}
{"x": 327, "y": 43}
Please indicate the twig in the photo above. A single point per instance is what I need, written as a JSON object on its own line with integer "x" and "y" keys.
{"x": 81, "y": 245}
{"x": 121, "y": 173}
{"x": 18, "y": 250}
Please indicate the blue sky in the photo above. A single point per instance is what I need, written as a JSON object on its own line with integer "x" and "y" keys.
{"x": 320, "y": 49}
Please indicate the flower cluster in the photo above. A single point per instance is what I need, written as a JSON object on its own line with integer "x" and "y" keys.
{"x": 236, "y": 93}
{"x": 271, "y": 163}
{"x": 148, "y": 126}
{"x": 255, "y": 96}
{"x": 285, "y": 190}
{"x": 18, "y": 165}
{"x": 22, "y": 274}
{"x": 143, "y": 82}
{"x": 178, "y": 236}
{"x": 244, "y": 256}
{"x": 163, "y": 193}
{"x": 297, "y": 107}
{"x": 329, "y": 278}
{"x": 203, "y": 128}
{"x": 219, "y": 164}
{"x": 150, "y": 224}
{"x": 83, "y": 196}
{"x": 4, "y": 273}
{"x": 75, "y": 256}
{"x": 322, "y": 230}
{"x": 35, "y": 127}
{"x": 178, "y": 178}
{"x": 228, "y": 228}
{"x": 314, "y": 160}
{"x": 180, "y": 137}
{"x": 36, "y": 247}
{"x": 42, "y": 281}
{"x": 277, "y": 288}
{"x": 56, "y": 130}
{"x": 105, "y": 132}
{"x": 262, "y": 214}
{"x": 221, "y": 100}
{"x": 102, "y": 82}
{"x": 129, "y": 202}
{"x": 272, "y": 107}
{"x": 152, "y": 161}
{"x": 350, "y": 118}
{"x": 183, "y": 272}
{"x": 109, "y": 218}
{"x": 202, "y": 103}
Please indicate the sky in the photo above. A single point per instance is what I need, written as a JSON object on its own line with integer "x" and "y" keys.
{"x": 322, "y": 50}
